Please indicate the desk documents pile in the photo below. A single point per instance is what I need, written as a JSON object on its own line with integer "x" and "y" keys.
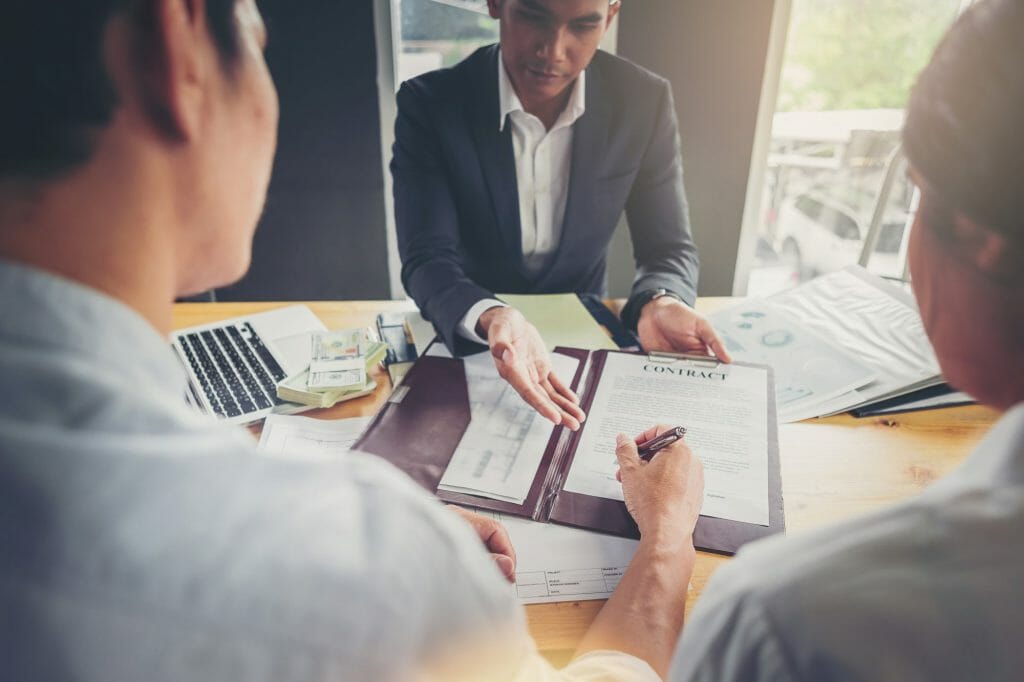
{"x": 338, "y": 370}
{"x": 839, "y": 342}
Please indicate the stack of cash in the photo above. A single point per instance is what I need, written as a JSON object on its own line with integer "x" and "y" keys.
{"x": 338, "y": 370}
{"x": 336, "y": 362}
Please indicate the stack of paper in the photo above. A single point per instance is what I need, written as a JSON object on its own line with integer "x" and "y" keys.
{"x": 838, "y": 342}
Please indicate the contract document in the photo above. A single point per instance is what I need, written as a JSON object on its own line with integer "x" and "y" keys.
{"x": 723, "y": 407}
{"x": 463, "y": 434}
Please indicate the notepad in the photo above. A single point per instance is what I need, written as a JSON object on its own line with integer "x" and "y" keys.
{"x": 561, "y": 319}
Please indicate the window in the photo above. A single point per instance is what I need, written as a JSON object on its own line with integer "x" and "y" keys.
{"x": 847, "y": 70}
{"x": 432, "y": 34}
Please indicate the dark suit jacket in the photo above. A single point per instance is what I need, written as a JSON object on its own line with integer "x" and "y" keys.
{"x": 457, "y": 205}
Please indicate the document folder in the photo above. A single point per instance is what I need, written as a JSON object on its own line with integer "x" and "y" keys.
{"x": 421, "y": 425}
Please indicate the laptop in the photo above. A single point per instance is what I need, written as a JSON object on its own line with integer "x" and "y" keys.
{"x": 234, "y": 365}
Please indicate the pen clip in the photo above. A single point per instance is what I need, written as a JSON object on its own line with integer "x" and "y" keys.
{"x": 668, "y": 358}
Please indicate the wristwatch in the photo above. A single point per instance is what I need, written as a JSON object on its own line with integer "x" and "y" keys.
{"x": 631, "y": 311}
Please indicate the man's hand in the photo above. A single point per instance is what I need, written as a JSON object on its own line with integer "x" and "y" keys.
{"x": 668, "y": 324}
{"x": 664, "y": 495}
{"x": 495, "y": 539}
{"x": 522, "y": 361}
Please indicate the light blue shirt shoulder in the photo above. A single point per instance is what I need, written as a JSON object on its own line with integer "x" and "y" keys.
{"x": 927, "y": 590}
{"x": 139, "y": 540}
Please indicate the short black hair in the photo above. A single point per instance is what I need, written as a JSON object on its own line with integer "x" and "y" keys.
{"x": 57, "y": 92}
{"x": 964, "y": 132}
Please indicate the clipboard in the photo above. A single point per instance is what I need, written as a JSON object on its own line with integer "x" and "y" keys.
{"x": 422, "y": 423}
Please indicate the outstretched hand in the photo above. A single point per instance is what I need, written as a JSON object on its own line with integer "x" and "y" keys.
{"x": 522, "y": 360}
{"x": 667, "y": 324}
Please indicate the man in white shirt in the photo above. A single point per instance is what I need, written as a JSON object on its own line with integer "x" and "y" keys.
{"x": 929, "y": 590}
{"x": 511, "y": 172}
{"x": 140, "y": 541}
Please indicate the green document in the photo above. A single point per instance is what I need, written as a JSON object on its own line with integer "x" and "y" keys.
{"x": 561, "y": 320}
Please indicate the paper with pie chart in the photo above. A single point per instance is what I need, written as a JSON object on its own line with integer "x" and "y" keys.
{"x": 808, "y": 369}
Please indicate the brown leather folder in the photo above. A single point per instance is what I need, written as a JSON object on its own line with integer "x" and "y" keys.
{"x": 420, "y": 427}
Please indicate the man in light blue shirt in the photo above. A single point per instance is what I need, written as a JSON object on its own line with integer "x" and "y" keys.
{"x": 139, "y": 541}
{"x": 929, "y": 590}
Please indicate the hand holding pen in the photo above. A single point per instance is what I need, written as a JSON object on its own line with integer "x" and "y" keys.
{"x": 662, "y": 494}
{"x": 648, "y": 448}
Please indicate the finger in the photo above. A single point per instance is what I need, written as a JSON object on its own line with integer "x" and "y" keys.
{"x": 563, "y": 388}
{"x": 491, "y": 532}
{"x": 569, "y": 421}
{"x": 650, "y": 433}
{"x": 713, "y": 341}
{"x": 531, "y": 392}
{"x": 564, "y": 397}
{"x": 506, "y": 565}
{"x": 626, "y": 453}
{"x": 497, "y": 540}
{"x": 517, "y": 375}
{"x": 569, "y": 408}
{"x": 570, "y": 411}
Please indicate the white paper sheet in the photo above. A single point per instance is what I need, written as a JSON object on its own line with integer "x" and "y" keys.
{"x": 309, "y": 439}
{"x": 871, "y": 319}
{"x": 499, "y": 454}
{"x": 809, "y": 370}
{"x": 723, "y": 407}
{"x": 556, "y": 563}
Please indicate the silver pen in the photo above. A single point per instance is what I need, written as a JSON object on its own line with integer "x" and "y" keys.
{"x": 648, "y": 448}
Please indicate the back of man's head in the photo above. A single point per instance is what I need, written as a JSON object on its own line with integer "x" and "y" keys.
{"x": 966, "y": 149}
{"x": 57, "y": 91}
{"x": 964, "y": 132}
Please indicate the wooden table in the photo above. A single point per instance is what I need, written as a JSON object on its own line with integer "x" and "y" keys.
{"x": 831, "y": 468}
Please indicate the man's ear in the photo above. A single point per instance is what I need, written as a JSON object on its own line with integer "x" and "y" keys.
{"x": 987, "y": 250}
{"x": 613, "y": 10}
{"x": 494, "y": 8}
{"x": 172, "y": 53}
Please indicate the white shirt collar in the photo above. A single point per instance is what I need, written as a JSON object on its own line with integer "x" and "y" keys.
{"x": 508, "y": 100}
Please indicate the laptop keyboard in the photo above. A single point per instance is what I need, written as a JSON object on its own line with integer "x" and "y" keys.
{"x": 235, "y": 369}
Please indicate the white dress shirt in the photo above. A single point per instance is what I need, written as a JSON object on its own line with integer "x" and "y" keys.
{"x": 543, "y": 167}
{"x": 142, "y": 541}
{"x": 927, "y": 591}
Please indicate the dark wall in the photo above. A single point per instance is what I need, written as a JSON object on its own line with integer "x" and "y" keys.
{"x": 713, "y": 52}
{"x": 323, "y": 233}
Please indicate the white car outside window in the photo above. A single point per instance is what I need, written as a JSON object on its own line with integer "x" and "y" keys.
{"x": 816, "y": 234}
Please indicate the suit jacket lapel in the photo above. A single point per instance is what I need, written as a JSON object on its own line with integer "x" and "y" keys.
{"x": 495, "y": 151}
{"x": 590, "y": 135}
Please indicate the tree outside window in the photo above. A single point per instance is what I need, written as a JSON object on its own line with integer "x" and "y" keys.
{"x": 847, "y": 73}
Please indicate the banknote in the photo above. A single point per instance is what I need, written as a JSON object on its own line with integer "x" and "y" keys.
{"x": 332, "y": 375}
{"x": 296, "y": 388}
{"x": 331, "y": 346}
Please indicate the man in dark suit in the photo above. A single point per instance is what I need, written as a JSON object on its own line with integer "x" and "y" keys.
{"x": 511, "y": 171}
